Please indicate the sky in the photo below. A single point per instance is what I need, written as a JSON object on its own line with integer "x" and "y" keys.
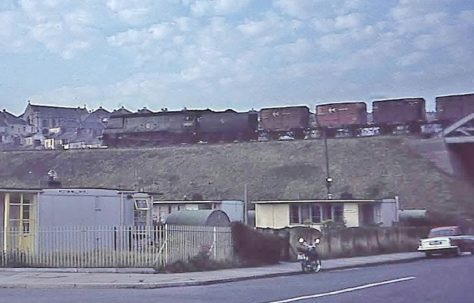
{"x": 238, "y": 54}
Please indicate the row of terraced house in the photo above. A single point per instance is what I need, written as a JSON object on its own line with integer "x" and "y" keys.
{"x": 53, "y": 127}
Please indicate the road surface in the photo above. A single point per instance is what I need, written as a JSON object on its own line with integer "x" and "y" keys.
{"x": 441, "y": 280}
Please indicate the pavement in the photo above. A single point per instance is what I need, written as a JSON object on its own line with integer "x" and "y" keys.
{"x": 147, "y": 278}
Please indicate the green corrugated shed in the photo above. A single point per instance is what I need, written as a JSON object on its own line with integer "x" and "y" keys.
{"x": 204, "y": 217}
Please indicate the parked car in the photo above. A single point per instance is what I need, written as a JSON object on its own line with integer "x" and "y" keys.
{"x": 446, "y": 240}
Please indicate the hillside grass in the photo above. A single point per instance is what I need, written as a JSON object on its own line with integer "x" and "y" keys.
{"x": 366, "y": 168}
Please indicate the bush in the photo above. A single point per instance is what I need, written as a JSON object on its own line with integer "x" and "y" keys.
{"x": 200, "y": 262}
{"x": 254, "y": 248}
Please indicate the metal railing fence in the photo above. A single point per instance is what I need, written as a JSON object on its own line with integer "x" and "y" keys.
{"x": 112, "y": 246}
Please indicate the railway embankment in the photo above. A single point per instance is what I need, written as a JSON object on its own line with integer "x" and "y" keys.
{"x": 370, "y": 168}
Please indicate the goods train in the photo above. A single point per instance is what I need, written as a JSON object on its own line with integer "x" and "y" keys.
{"x": 349, "y": 119}
{"x": 175, "y": 127}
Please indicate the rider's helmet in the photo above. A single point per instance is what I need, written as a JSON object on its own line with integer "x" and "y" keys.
{"x": 301, "y": 240}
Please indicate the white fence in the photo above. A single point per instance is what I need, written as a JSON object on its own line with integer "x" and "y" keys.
{"x": 105, "y": 246}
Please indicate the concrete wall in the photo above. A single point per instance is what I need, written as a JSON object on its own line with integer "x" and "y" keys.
{"x": 272, "y": 215}
{"x": 351, "y": 242}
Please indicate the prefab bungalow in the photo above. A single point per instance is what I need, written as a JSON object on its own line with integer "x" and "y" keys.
{"x": 353, "y": 213}
{"x": 29, "y": 217}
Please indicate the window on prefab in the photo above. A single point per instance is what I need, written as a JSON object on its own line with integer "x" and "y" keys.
{"x": 294, "y": 214}
{"x": 327, "y": 212}
{"x": 205, "y": 206}
{"x": 316, "y": 213}
{"x": 338, "y": 213}
{"x": 305, "y": 213}
{"x": 142, "y": 204}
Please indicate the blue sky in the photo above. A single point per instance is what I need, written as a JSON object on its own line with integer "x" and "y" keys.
{"x": 239, "y": 54}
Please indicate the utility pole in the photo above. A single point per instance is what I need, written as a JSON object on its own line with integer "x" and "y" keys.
{"x": 328, "y": 176}
{"x": 245, "y": 204}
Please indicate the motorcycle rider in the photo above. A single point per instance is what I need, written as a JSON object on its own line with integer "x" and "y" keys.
{"x": 308, "y": 249}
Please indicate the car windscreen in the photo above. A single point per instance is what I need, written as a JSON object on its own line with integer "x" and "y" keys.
{"x": 443, "y": 233}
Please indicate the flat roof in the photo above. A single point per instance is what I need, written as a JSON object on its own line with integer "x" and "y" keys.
{"x": 185, "y": 201}
{"x": 320, "y": 201}
{"x": 42, "y": 189}
{"x": 22, "y": 190}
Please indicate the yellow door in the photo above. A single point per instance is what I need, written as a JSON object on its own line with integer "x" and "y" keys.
{"x": 19, "y": 221}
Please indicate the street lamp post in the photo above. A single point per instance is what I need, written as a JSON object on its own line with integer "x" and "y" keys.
{"x": 329, "y": 179}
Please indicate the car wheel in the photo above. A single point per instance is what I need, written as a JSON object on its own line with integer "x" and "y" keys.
{"x": 472, "y": 250}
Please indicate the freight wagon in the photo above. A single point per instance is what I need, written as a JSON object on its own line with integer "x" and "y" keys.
{"x": 452, "y": 108}
{"x": 341, "y": 114}
{"x": 399, "y": 115}
{"x": 281, "y": 121}
{"x": 227, "y": 126}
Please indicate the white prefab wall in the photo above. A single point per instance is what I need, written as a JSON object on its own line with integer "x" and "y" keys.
{"x": 233, "y": 209}
{"x": 351, "y": 214}
{"x": 85, "y": 207}
{"x": 272, "y": 215}
{"x": 388, "y": 213}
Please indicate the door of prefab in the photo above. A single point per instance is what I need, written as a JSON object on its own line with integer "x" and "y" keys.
{"x": 366, "y": 214}
{"x": 19, "y": 222}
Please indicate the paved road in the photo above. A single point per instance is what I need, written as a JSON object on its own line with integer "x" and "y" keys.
{"x": 429, "y": 280}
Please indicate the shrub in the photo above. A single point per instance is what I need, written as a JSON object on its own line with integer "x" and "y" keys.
{"x": 254, "y": 248}
{"x": 200, "y": 262}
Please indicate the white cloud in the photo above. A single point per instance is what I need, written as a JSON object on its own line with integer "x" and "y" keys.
{"x": 131, "y": 11}
{"x": 247, "y": 51}
{"x": 217, "y": 7}
{"x": 66, "y": 28}
{"x": 141, "y": 38}
{"x": 411, "y": 59}
{"x": 302, "y": 9}
{"x": 255, "y": 28}
{"x": 467, "y": 17}
{"x": 13, "y": 35}
{"x": 348, "y": 21}
{"x": 8, "y": 5}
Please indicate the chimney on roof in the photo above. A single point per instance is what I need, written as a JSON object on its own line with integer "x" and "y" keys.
{"x": 53, "y": 182}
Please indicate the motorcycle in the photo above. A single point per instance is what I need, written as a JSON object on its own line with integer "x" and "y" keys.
{"x": 308, "y": 256}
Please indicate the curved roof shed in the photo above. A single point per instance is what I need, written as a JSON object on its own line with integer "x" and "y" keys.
{"x": 204, "y": 217}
